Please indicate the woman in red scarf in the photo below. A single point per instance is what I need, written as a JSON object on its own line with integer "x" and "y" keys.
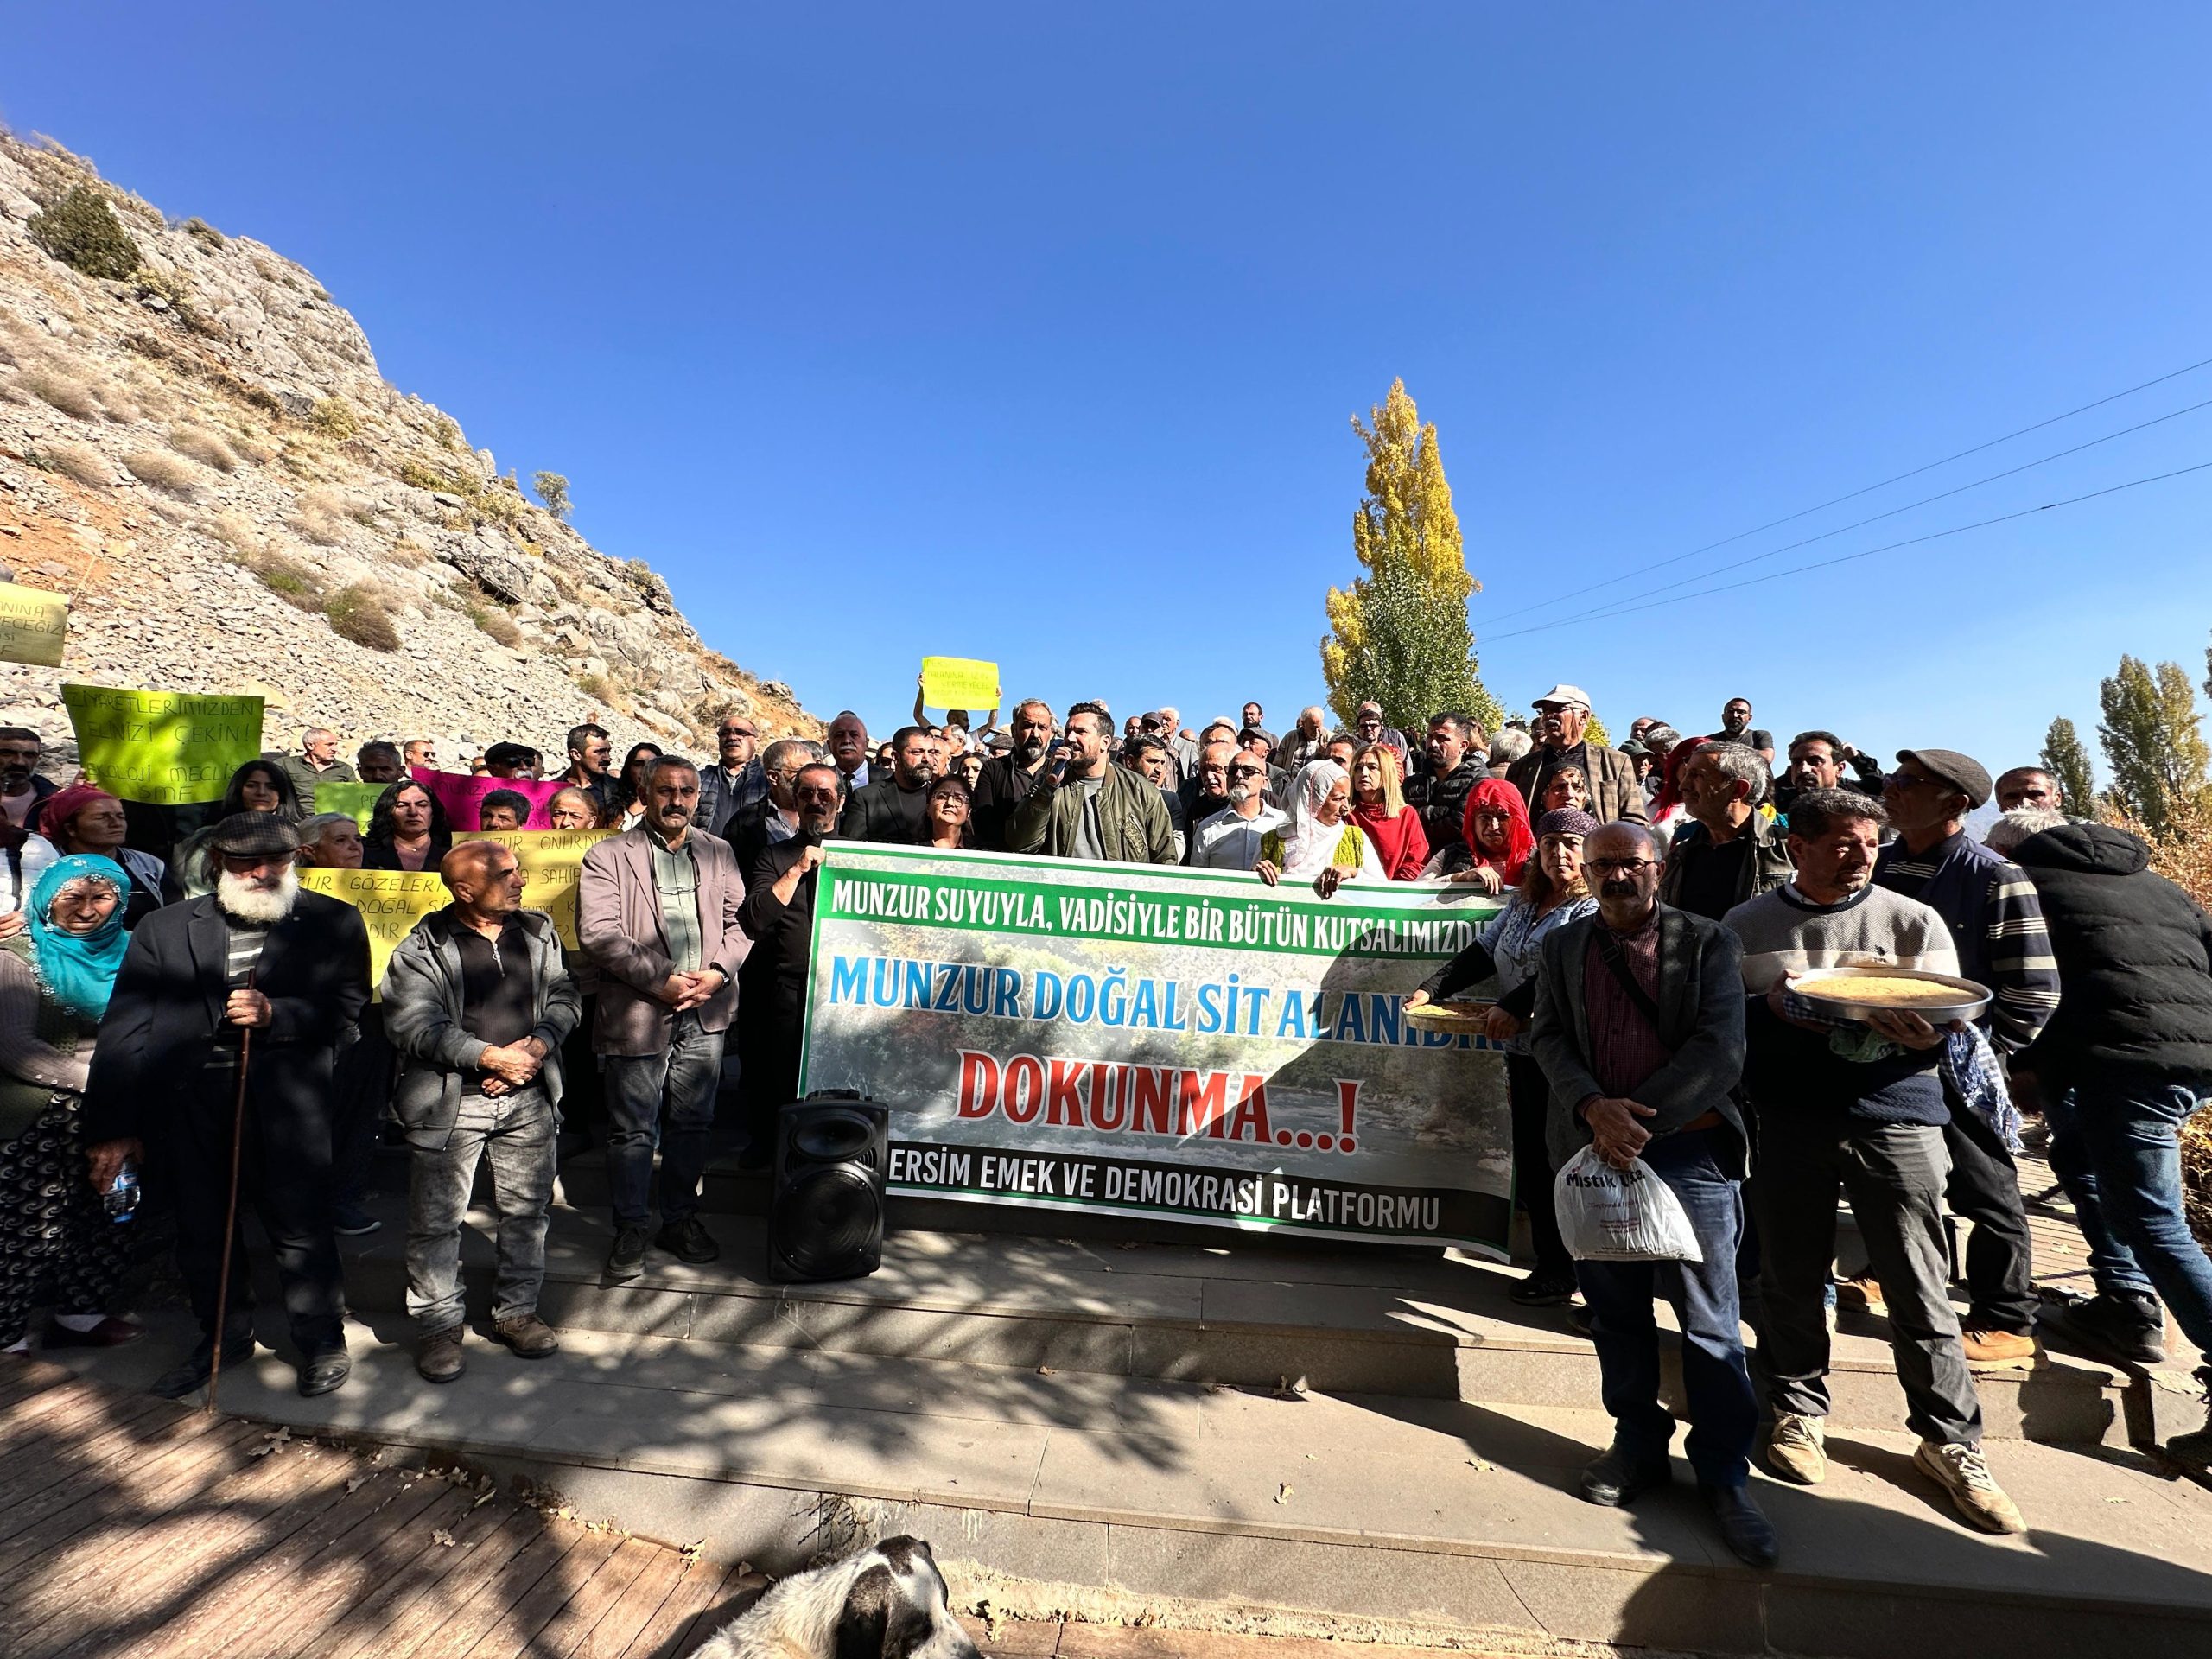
{"x": 1378, "y": 806}
{"x": 1497, "y": 828}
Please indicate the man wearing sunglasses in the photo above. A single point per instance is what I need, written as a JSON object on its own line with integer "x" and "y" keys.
{"x": 777, "y": 916}
{"x": 1229, "y": 839}
{"x": 737, "y": 780}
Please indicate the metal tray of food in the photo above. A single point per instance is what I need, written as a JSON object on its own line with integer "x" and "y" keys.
{"x": 1947, "y": 996}
{"x": 1459, "y": 1013}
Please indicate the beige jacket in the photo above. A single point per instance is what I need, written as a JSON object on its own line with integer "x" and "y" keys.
{"x": 618, "y": 924}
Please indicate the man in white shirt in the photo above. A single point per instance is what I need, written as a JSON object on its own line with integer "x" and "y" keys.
{"x": 1229, "y": 840}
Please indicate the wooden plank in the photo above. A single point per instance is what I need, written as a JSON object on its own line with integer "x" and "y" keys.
{"x": 590, "y": 1603}
{"x": 215, "y": 1616}
{"x": 634, "y": 1609}
{"x": 172, "y": 1558}
{"x": 27, "y": 1420}
{"x": 505, "y": 1534}
{"x": 142, "y": 1464}
{"x": 30, "y": 1467}
{"x": 24, "y": 1375}
{"x": 465, "y": 1622}
{"x": 665, "y": 1633}
{"x": 361, "y": 1631}
{"x": 352, "y": 1569}
{"x": 526, "y": 1619}
{"x": 111, "y": 1513}
{"x": 726, "y": 1604}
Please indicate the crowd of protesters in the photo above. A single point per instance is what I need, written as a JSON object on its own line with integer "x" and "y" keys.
{"x": 1658, "y": 897}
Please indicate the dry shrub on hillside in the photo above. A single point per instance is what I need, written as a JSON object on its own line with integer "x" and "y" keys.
{"x": 334, "y": 418}
{"x": 286, "y": 578}
{"x": 163, "y": 471}
{"x": 497, "y": 624}
{"x": 87, "y": 466}
{"x": 63, "y": 391}
{"x": 362, "y": 613}
{"x": 119, "y": 405}
{"x": 204, "y": 447}
{"x": 323, "y": 516}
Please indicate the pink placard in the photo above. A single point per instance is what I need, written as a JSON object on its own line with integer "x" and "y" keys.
{"x": 462, "y": 794}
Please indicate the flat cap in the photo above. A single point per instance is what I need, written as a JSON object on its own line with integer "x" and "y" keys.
{"x": 1567, "y": 696}
{"x": 1962, "y": 772}
{"x": 254, "y": 835}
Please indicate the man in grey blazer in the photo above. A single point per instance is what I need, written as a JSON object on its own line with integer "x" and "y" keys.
{"x": 656, "y": 915}
{"x": 1639, "y": 1028}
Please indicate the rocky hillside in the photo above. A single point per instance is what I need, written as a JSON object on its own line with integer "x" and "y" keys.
{"x": 196, "y": 446}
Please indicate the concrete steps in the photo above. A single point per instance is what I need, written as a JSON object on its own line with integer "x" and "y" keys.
{"x": 1419, "y": 1325}
{"x": 1439, "y": 1510}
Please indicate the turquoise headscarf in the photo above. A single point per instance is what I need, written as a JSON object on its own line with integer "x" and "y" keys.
{"x": 79, "y": 969}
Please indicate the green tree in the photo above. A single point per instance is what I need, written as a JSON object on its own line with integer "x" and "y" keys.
{"x": 2153, "y": 741}
{"x": 81, "y": 230}
{"x": 2065, "y": 759}
{"x": 1401, "y": 634}
{"x": 553, "y": 490}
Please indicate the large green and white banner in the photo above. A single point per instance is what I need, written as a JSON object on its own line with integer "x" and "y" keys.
{"x": 1189, "y": 1044}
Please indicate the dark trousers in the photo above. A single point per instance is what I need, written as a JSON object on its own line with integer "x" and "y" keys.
{"x": 665, "y": 1099}
{"x": 1985, "y": 1190}
{"x": 360, "y": 1090}
{"x": 284, "y": 1179}
{"x": 768, "y": 1053}
{"x": 1530, "y": 1097}
{"x": 1893, "y": 1174}
{"x": 1724, "y": 1412}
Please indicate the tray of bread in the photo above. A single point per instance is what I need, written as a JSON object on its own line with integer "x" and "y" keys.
{"x": 1459, "y": 1014}
{"x": 1853, "y": 993}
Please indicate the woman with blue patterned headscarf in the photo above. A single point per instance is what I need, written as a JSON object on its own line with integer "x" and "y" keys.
{"x": 55, "y": 977}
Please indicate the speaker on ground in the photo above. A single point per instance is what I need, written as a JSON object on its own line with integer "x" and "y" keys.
{"x": 825, "y": 1220}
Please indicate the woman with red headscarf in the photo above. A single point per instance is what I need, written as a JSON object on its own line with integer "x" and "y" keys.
{"x": 1499, "y": 840}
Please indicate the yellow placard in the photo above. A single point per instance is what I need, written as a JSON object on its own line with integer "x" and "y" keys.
{"x": 391, "y": 903}
{"x": 166, "y": 748}
{"x": 960, "y": 682}
{"x": 32, "y": 624}
{"x": 551, "y": 861}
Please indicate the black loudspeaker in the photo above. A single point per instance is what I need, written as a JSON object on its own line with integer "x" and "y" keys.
{"x": 826, "y": 1219}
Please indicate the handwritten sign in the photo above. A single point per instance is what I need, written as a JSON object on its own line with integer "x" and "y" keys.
{"x": 164, "y": 749}
{"x": 358, "y": 801}
{"x": 550, "y": 861}
{"x": 391, "y": 903}
{"x": 959, "y": 683}
{"x": 462, "y": 795}
{"x": 32, "y": 624}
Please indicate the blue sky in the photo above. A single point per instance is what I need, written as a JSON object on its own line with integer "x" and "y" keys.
{"x": 1032, "y": 333}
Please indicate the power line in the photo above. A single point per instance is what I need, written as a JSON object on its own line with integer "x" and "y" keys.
{"x": 1941, "y": 495}
{"x": 1846, "y": 558}
{"x": 1853, "y": 495}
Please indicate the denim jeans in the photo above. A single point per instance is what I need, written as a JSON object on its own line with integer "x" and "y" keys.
{"x": 681, "y": 1078}
{"x": 1894, "y": 1175}
{"x": 514, "y": 1134}
{"x": 2128, "y": 1135}
{"x": 1724, "y": 1413}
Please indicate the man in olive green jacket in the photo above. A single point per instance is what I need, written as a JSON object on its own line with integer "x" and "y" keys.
{"x": 1085, "y": 808}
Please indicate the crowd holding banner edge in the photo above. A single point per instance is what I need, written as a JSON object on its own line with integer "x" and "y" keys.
{"x": 171, "y": 996}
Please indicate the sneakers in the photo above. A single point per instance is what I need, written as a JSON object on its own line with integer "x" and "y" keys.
{"x": 628, "y": 1259}
{"x": 1542, "y": 1289}
{"x": 687, "y": 1241}
{"x": 1797, "y": 1448}
{"x": 1862, "y": 1295}
{"x": 351, "y": 1221}
{"x": 528, "y": 1335}
{"x": 1963, "y": 1473}
{"x": 2120, "y": 1330}
{"x": 438, "y": 1357}
{"x": 1997, "y": 1350}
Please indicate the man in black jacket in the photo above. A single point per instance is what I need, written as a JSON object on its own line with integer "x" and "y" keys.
{"x": 1008, "y": 778}
{"x": 777, "y": 916}
{"x": 2122, "y": 1065}
{"x": 774, "y": 816}
{"x": 257, "y": 955}
{"x": 1455, "y": 764}
{"x": 891, "y": 809}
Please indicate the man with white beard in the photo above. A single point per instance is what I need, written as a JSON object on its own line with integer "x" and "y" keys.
{"x": 256, "y": 955}
{"x": 1229, "y": 840}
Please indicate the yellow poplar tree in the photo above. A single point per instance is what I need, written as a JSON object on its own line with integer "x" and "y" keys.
{"x": 1401, "y": 634}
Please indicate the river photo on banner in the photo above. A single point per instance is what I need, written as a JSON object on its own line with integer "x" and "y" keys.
{"x": 1146, "y": 1041}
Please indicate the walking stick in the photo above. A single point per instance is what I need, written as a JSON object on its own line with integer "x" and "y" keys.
{"x": 231, "y": 1215}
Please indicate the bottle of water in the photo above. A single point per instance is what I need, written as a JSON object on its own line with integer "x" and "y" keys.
{"x": 122, "y": 1199}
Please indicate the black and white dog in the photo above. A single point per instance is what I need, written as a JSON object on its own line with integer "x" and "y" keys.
{"x": 888, "y": 1602}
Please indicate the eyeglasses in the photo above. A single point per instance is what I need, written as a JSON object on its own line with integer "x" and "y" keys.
{"x": 739, "y": 731}
{"x": 1620, "y": 866}
{"x": 829, "y": 795}
{"x": 1247, "y": 772}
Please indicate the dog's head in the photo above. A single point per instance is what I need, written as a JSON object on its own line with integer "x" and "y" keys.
{"x": 897, "y": 1609}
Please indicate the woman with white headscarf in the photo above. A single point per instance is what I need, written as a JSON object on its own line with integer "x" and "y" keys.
{"x": 1320, "y": 844}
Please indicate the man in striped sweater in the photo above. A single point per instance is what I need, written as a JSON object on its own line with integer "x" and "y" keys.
{"x": 1996, "y": 923}
{"x": 1857, "y": 1107}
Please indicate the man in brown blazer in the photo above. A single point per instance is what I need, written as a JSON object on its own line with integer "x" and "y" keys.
{"x": 1562, "y": 716}
{"x": 656, "y": 915}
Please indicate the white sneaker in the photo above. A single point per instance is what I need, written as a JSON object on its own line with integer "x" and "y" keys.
{"x": 1964, "y": 1473}
{"x": 1797, "y": 1448}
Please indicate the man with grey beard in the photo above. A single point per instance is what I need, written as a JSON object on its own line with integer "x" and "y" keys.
{"x": 1008, "y": 778}
{"x": 256, "y": 955}
{"x": 1229, "y": 839}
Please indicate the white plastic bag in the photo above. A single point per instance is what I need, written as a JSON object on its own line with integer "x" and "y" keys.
{"x": 1621, "y": 1214}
